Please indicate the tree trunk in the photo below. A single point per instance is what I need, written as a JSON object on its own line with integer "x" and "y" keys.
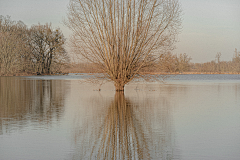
{"x": 119, "y": 87}
{"x": 49, "y": 62}
{"x": 119, "y": 100}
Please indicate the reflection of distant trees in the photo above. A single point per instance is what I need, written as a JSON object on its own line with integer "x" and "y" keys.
{"x": 127, "y": 130}
{"x": 22, "y": 100}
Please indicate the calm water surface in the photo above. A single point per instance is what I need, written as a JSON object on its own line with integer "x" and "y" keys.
{"x": 188, "y": 117}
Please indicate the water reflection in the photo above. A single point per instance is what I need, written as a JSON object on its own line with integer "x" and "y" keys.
{"x": 65, "y": 119}
{"x": 127, "y": 130}
{"x": 23, "y": 101}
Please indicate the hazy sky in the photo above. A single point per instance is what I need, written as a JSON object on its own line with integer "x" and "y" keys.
{"x": 208, "y": 26}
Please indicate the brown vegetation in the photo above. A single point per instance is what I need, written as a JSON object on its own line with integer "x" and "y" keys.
{"x": 123, "y": 37}
{"x": 81, "y": 68}
{"x": 169, "y": 63}
{"x": 218, "y": 66}
{"x": 38, "y": 50}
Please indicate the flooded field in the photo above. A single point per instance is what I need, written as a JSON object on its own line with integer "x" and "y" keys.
{"x": 187, "y": 117}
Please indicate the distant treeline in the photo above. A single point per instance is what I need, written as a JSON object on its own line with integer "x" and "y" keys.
{"x": 35, "y": 50}
{"x": 218, "y": 66}
{"x": 40, "y": 50}
{"x": 174, "y": 63}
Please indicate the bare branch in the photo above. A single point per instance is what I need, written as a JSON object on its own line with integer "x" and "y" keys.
{"x": 123, "y": 36}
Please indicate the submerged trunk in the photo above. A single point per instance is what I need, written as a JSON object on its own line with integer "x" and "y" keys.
{"x": 119, "y": 87}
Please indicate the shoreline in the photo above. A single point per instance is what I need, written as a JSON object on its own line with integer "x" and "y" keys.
{"x": 142, "y": 73}
{"x": 182, "y": 73}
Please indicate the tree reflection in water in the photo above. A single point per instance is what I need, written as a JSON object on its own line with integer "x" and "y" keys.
{"x": 125, "y": 130}
{"x": 37, "y": 101}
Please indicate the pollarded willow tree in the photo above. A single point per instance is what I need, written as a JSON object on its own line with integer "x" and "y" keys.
{"x": 122, "y": 37}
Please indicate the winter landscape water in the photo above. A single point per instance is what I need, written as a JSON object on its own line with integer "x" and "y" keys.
{"x": 185, "y": 117}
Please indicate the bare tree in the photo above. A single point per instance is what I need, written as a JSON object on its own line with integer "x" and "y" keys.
{"x": 12, "y": 45}
{"x": 38, "y": 49}
{"x": 122, "y": 37}
{"x": 183, "y": 62}
{"x": 46, "y": 47}
{"x": 168, "y": 62}
{"x": 236, "y": 61}
{"x": 218, "y": 56}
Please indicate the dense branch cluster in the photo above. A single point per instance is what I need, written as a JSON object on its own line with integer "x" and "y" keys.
{"x": 123, "y": 36}
{"x": 38, "y": 49}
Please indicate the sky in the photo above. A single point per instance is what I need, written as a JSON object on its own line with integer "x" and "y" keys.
{"x": 208, "y": 26}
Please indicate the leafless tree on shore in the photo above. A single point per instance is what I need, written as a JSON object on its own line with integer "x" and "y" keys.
{"x": 12, "y": 45}
{"x": 39, "y": 49}
{"x": 236, "y": 61}
{"x": 47, "y": 48}
{"x": 122, "y": 37}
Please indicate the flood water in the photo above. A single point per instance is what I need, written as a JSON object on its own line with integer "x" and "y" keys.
{"x": 187, "y": 117}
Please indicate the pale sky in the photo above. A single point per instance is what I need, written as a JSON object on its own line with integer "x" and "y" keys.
{"x": 208, "y": 26}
